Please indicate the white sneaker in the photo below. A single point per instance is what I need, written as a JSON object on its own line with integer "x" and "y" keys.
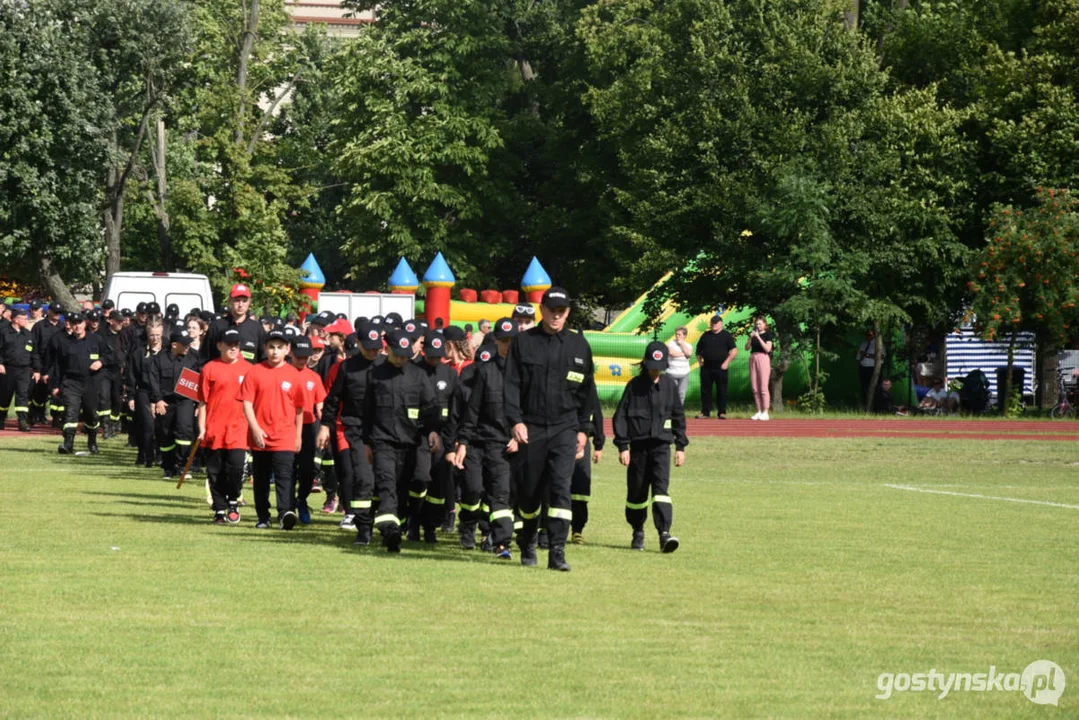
{"x": 756, "y": 417}
{"x": 764, "y": 416}
{"x": 349, "y": 523}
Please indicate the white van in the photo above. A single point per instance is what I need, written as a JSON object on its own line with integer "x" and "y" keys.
{"x": 186, "y": 290}
{"x": 355, "y": 305}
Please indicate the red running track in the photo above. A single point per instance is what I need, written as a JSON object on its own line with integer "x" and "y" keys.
{"x": 939, "y": 429}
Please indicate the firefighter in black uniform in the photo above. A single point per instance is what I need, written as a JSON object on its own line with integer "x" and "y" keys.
{"x": 548, "y": 398}
{"x": 111, "y": 379}
{"x": 137, "y": 390}
{"x": 76, "y": 361}
{"x": 252, "y": 336}
{"x": 431, "y": 469}
{"x": 648, "y": 419}
{"x": 347, "y": 399}
{"x": 484, "y": 443}
{"x": 581, "y": 485}
{"x": 16, "y": 372}
{"x": 400, "y": 409}
{"x": 174, "y": 414}
{"x": 41, "y": 335}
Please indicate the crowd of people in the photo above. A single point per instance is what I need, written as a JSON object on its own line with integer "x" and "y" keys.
{"x": 407, "y": 429}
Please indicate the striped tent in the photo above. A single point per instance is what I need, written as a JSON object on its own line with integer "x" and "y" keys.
{"x": 967, "y": 351}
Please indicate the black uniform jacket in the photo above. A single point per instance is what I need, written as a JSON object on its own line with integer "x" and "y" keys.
{"x": 650, "y": 411}
{"x": 549, "y": 380}
{"x": 400, "y": 404}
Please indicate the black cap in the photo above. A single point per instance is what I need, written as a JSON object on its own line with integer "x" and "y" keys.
{"x": 395, "y": 318}
{"x": 504, "y": 328}
{"x": 16, "y": 312}
{"x": 400, "y": 343}
{"x": 173, "y": 310}
{"x": 75, "y": 317}
{"x": 434, "y": 344}
{"x": 301, "y": 347}
{"x": 116, "y": 315}
{"x": 378, "y": 321}
{"x": 141, "y": 308}
{"x": 126, "y": 312}
{"x": 195, "y": 311}
{"x": 412, "y": 328}
{"x": 107, "y": 304}
{"x": 180, "y": 337}
{"x": 424, "y": 327}
{"x": 290, "y": 331}
{"x": 360, "y": 322}
{"x": 454, "y": 333}
{"x": 340, "y": 316}
{"x": 485, "y": 354}
{"x": 94, "y": 315}
{"x": 276, "y": 334}
{"x": 230, "y": 337}
{"x": 369, "y": 336}
{"x": 555, "y": 297}
{"x": 57, "y": 308}
{"x": 207, "y": 316}
{"x": 655, "y": 356}
{"x": 153, "y": 308}
{"x": 35, "y": 305}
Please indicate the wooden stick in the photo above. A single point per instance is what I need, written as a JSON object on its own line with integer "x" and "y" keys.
{"x": 187, "y": 465}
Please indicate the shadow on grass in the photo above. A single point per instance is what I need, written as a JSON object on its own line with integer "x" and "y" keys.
{"x": 173, "y": 499}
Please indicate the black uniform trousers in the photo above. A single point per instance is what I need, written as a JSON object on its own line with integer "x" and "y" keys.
{"x": 546, "y": 475}
{"x": 143, "y": 426}
{"x": 421, "y": 480}
{"x": 110, "y": 391}
{"x": 394, "y": 468}
{"x": 581, "y": 489}
{"x": 79, "y": 395}
{"x": 15, "y": 391}
{"x": 304, "y": 470}
{"x": 277, "y": 464}
{"x": 485, "y": 490}
{"x": 175, "y": 431}
{"x": 225, "y": 471}
{"x": 710, "y": 377}
{"x": 360, "y": 478}
{"x": 441, "y": 492}
{"x": 39, "y": 402}
{"x": 649, "y": 471}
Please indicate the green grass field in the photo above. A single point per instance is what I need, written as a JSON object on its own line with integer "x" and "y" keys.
{"x": 801, "y": 579}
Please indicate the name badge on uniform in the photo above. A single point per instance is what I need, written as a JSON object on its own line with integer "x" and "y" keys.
{"x": 93, "y": 356}
{"x": 413, "y": 413}
{"x": 574, "y": 376}
{"x": 248, "y": 355}
{"x": 667, "y": 424}
{"x": 445, "y": 412}
{"x": 29, "y": 348}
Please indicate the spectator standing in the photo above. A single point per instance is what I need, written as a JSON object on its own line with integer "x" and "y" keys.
{"x": 679, "y": 353}
{"x": 867, "y": 359}
{"x": 478, "y": 337}
{"x": 760, "y": 366}
{"x": 715, "y": 351}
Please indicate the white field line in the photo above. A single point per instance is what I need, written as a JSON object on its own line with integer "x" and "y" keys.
{"x": 1024, "y": 501}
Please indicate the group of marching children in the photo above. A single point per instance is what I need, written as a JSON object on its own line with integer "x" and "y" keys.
{"x": 411, "y": 427}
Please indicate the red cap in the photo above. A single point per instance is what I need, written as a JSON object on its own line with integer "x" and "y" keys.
{"x": 316, "y": 342}
{"x": 240, "y": 291}
{"x": 341, "y": 327}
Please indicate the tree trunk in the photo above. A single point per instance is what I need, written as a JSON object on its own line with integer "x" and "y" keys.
{"x": 775, "y": 384}
{"x": 1008, "y": 377}
{"x": 164, "y": 238}
{"x": 50, "y": 278}
{"x": 1048, "y": 386}
{"x": 874, "y": 379}
{"x": 246, "y": 45}
{"x": 114, "y": 211}
{"x": 850, "y": 16}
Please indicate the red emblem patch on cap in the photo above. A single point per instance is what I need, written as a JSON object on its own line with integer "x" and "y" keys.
{"x": 373, "y": 334}
{"x": 506, "y": 326}
{"x": 403, "y": 343}
{"x": 410, "y": 327}
{"x": 436, "y": 343}
{"x": 657, "y": 355}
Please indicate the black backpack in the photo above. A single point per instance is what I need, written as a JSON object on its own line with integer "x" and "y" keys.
{"x": 975, "y": 392}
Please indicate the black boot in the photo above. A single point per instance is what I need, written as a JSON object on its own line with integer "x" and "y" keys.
{"x": 68, "y": 448}
{"x": 414, "y": 528}
{"x": 528, "y": 549}
{"x": 543, "y": 540}
{"x": 468, "y": 535}
{"x": 91, "y": 441}
{"x": 429, "y": 536}
{"x": 363, "y": 535}
{"x": 556, "y": 558}
{"x": 24, "y": 424}
{"x": 638, "y": 540}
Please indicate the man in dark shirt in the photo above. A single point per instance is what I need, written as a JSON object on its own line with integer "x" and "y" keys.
{"x": 716, "y": 351}
{"x": 548, "y": 401}
{"x": 252, "y": 336}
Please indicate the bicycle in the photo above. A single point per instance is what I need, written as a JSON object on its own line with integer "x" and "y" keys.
{"x": 1067, "y": 399}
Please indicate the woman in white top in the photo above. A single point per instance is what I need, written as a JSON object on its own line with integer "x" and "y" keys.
{"x": 679, "y": 352}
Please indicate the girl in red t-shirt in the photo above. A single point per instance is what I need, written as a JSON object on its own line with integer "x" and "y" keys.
{"x": 222, "y": 427}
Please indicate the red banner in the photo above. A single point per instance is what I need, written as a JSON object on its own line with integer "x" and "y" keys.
{"x": 188, "y": 384}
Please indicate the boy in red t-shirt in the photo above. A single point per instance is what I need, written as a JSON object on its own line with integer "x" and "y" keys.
{"x": 222, "y": 427}
{"x": 273, "y": 405}
{"x": 314, "y": 395}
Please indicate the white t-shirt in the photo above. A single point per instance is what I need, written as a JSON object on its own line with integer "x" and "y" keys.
{"x": 942, "y": 394}
{"x": 868, "y": 351}
{"x": 676, "y": 366}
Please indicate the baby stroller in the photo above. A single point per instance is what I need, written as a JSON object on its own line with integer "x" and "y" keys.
{"x": 974, "y": 395}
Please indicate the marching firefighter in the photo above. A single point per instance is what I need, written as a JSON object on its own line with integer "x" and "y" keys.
{"x": 76, "y": 361}
{"x": 41, "y": 335}
{"x": 484, "y": 444}
{"x": 174, "y": 414}
{"x": 16, "y": 374}
{"x": 648, "y": 419}
{"x": 431, "y": 470}
{"x": 137, "y": 389}
{"x": 111, "y": 379}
